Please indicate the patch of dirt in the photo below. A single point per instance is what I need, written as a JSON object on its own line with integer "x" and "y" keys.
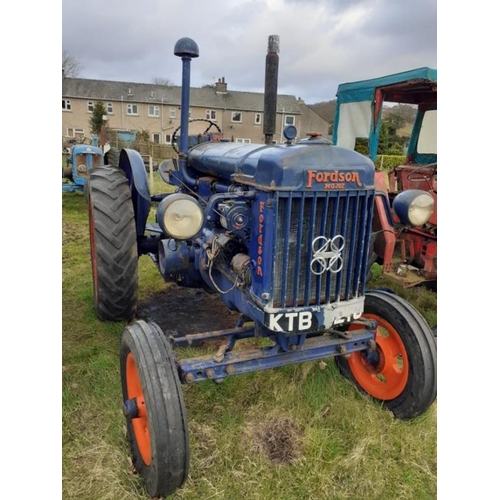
{"x": 280, "y": 439}
{"x": 180, "y": 311}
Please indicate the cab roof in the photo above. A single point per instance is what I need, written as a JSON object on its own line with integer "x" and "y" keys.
{"x": 409, "y": 87}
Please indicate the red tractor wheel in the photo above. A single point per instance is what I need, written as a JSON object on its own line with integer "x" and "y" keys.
{"x": 113, "y": 244}
{"x": 154, "y": 408}
{"x": 401, "y": 371}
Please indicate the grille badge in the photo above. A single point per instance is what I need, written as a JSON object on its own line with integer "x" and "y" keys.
{"x": 327, "y": 254}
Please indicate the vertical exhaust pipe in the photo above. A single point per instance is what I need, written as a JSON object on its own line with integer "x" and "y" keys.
{"x": 271, "y": 88}
{"x": 187, "y": 49}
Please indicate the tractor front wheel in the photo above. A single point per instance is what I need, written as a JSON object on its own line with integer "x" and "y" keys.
{"x": 113, "y": 244}
{"x": 400, "y": 369}
{"x": 154, "y": 408}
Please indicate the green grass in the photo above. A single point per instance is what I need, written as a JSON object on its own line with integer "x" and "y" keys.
{"x": 299, "y": 432}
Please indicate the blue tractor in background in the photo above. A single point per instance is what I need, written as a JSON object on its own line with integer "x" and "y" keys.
{"x": 281, "y": 232}
{"x": 82, "y": 158}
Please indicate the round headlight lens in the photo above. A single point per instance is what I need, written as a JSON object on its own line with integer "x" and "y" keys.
{"x": 414, "y": 207}
{"x": 180, "y": 216}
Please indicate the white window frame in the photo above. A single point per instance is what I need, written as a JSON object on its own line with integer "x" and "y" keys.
{"x": 72, "y": 132}
{"x": 171, "y": 113}
{"x": 233, "y": 120}
{"x": 154, "y": 111}
{"x": 155, "y": 135}
{"x": 66, "y": 105}
{"x": 211, "y": 114}
{"x": 109, "y": 108}
{"x": 90, "y": 106}
{"x": 168, "y": 138}
{"x": 287, "y": 121}
{"x": 130, "y": 109}
{"x": 242, "y": 140}
{"x": 258, "y": 119}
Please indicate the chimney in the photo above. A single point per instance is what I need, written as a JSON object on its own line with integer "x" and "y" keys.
{"x": 221, "y": 86}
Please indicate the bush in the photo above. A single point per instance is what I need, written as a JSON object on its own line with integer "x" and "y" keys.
{"x": 388, "y": 162}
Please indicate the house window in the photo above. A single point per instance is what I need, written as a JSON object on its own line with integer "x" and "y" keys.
{"x": 132, "y": 109}
{"x": 258, "y": 118}
{"x": 76, "y": 132}
{"x": 168, "y": 139}
{"x": 243, "y": 141}
{"x": 90, "y": 106}
{"x": 109, "y": 108}
{"x": 172, "y": 113}
{"x": 154, "y": 111}
{"x": 236, "y": 117}
{"x": 289, "y": 120}
{"x": 66, "y": 105}
{"x": 155, "y": 138}
{"x": 210, "y": 114}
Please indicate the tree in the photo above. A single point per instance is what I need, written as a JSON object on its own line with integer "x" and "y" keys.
{"x": 70, "y": 65}
{"x": 97, "y": 120}
{"x": 158, "y": 80}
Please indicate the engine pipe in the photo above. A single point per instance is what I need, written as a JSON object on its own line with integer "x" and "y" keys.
{"x": 187, "y": 49}
{"x": 271, "y": 88}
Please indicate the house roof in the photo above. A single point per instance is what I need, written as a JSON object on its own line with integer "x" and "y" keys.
{"x": 207, "y": 97}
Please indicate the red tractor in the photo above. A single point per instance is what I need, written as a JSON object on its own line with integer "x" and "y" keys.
{"x": 404, "y": 242}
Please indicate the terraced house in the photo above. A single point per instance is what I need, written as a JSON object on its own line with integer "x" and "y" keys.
{"x": 135, "y": 107}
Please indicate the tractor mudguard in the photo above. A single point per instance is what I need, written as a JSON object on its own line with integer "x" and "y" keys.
{"x": 133, "y": 166}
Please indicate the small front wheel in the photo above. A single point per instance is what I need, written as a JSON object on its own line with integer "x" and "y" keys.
{"x": 154, "y": 408}
{"x": 401, "y": 371}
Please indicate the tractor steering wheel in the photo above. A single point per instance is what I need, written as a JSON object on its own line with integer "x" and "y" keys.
{"x": 212, "y": 124}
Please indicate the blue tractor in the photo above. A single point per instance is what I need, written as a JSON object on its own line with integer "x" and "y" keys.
{"x": 82, "y": 158}
{"x": 281, "y": 233}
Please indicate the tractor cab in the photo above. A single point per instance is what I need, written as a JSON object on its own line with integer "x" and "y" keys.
{"x": 406, "y": 250}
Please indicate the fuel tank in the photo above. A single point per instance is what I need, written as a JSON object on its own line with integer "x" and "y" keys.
{"x": 309, "y": 165}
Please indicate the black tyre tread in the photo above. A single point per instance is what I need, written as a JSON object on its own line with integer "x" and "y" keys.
{"x": 421, "y": 390}
{"x": 115, "y": 244}
{"x": 167, "y": 420}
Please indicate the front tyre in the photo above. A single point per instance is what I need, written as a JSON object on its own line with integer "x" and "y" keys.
{"x": 154, "y": 408}
{"x": 401, "y": 372}
{"x": 113, "y": 244}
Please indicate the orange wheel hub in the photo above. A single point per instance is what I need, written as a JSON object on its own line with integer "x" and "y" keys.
{"x": 140, "y": 422}
{"x": 386, "y": 379}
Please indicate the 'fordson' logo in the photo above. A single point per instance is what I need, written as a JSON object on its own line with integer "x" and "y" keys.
{"x": 327, "y": 254}
{"x": 335, "y": 179}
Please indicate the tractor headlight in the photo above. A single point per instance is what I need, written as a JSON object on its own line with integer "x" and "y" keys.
{"x": 180, "y": 216}
{"x": 414, "y": 207}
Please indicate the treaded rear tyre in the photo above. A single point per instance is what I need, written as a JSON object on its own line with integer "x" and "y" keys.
{"x": 154, "y": 407}
{"x": 113, "y": 244}
{"x": 404, "y": 377}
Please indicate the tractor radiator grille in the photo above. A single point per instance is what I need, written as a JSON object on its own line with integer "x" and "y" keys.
{"x": 302, "y": 217}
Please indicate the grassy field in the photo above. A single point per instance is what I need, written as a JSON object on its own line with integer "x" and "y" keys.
{"x": 300, "y": 432}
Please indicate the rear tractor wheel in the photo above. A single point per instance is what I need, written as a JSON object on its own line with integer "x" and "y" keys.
{"x": 154, "y": 408}
{"x": 113, "y": 244}
{"x": 400, "y": 371}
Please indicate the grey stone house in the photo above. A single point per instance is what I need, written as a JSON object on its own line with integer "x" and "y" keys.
{"x": 156, "y": 109}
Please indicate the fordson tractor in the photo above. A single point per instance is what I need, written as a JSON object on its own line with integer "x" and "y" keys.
{"x": 81, "y": 160}
{"x": 405, "y": 244}
{"x": 282, "y": 234}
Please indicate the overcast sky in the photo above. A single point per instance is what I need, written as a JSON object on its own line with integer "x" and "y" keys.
{"x": 322, "y": 42}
